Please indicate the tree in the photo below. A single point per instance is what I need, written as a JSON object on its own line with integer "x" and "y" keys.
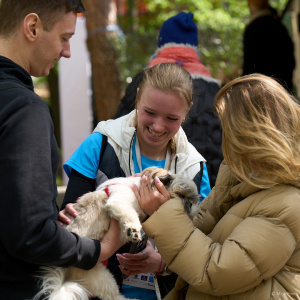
{"x": 106, "y": 82}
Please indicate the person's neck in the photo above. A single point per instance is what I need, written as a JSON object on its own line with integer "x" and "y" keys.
{"x": 154, "y": 153}
{"x": 10, "y": 49}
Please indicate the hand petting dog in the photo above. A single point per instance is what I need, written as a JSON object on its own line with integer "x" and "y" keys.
{"x": 151, "y": 197}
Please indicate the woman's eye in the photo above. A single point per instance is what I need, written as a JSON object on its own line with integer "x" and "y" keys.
{"x": 149, "y": 112}
{"x": 172, "y": 119}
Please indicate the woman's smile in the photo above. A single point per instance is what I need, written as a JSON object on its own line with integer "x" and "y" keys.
{"x": 155, "y": 134}
{"x": 160, "y": 115}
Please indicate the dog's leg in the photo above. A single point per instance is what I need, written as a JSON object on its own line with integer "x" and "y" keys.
{"x": 92, "y": 220}
{"x": 123, "y": 206}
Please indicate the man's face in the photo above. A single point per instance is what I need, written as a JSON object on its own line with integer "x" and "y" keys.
{"x": 52, "y": 45}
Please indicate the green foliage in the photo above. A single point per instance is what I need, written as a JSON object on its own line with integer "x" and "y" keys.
{"x": 220, "y": 22}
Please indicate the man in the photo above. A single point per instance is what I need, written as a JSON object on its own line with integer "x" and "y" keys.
{"x": 268, "y": 48}
{"x": 33, "y": 35}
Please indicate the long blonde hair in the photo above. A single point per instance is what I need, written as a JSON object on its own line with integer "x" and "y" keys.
{"x": 261, "y": 130}
{"x": 169, "y": 78}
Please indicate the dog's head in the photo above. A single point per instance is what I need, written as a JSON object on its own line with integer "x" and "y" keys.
{"x": 177, "y": 186}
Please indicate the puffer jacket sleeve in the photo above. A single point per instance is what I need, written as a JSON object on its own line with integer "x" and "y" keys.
{"x": 243, "y": 260}
{"x": 218, "y": 202}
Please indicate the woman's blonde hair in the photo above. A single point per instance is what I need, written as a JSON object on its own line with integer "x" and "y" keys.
{"x": 169, "y": 78}
{"x": 261, "y": 130}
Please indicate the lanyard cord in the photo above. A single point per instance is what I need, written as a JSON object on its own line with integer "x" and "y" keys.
{"x": 176, "y": 158}
{"x": 130, "y": 151}
{"x": 130, "y": 147}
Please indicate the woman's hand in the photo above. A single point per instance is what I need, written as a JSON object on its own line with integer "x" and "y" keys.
{"x": 146, "y": 261}
{"x": 150, "y": 199}
{"x": 111, "y": 241}
{"x": 62, "y": 217}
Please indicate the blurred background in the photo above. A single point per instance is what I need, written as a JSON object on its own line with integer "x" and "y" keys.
{"x": 114, "y": 41}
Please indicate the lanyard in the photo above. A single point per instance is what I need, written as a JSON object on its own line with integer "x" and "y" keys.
{"x": 139, "y": 160}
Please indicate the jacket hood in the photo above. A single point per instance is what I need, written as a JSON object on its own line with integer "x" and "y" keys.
{"x": 121, "y": 141}
{"x": 10, "y": 71}
{"x": 228, "y": 190}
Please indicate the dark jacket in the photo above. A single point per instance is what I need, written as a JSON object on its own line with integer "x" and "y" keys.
{"x": 268, "y": 48}
{"x": 29, "y": 158}
{"x": 202, "y": 127}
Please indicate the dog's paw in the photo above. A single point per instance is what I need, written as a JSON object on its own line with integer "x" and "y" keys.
{"x": 132, "y": 233}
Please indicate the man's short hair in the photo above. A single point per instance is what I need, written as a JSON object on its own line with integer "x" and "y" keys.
{"x": 13, "y": 12}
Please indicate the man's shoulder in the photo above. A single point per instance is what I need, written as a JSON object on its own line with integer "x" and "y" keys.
{"x": 16, "y": 94}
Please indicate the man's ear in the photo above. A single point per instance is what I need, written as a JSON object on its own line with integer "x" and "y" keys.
{"x": 32, "y": 26}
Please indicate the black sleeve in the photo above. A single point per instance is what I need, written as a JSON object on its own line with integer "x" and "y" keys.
{"x": 78, "y": 185}
{"x": 28, "y": 210}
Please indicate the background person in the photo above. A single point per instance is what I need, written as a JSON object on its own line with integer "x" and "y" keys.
{"x": 151, "y": 135}
{"x": 33, "y": 35}
{"x": 268, "y": 48}
{"x": 178, "y": 43}
{"x": 245, "y": 241}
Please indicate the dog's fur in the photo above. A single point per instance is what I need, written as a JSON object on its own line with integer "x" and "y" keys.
{"x": 94, "y": 212}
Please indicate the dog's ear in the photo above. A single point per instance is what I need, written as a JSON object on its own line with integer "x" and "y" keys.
{"x": 166, "y": 179}
{"x": 187, "y": 190}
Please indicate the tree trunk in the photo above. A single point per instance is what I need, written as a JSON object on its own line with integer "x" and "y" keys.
{"x": 105, "y": 72}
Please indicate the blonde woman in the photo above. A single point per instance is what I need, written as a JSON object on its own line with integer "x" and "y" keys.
{"x": 151, "y": 135}
{"x": 245, "y": 242}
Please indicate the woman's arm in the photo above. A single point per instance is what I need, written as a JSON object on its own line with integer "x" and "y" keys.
{"x": 78, "y": 185}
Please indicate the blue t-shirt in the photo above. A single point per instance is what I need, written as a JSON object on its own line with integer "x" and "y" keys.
{"x": 85, "y": 160}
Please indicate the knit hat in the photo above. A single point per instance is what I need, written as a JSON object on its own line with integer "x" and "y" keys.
{"x": 180, "y": 29}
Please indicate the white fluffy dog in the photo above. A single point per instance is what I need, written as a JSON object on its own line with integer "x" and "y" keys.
{"x": 113, "y": 198}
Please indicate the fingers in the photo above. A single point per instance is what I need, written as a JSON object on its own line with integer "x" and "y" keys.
{"x": 161, "y": 188}
{"x": 71, "y": 210}
{"x": 62, "y": 218}
{"x": 152, "y": 198}
{"x": 60, "y": 223}
{"x": 132, "y": 264}
{"x": 62, "y": 215}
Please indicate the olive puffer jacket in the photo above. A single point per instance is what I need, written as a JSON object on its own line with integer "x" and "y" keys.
{"x": 244, "y": 243}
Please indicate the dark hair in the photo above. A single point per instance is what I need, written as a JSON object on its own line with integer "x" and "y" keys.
{"x": 13, "y": 12}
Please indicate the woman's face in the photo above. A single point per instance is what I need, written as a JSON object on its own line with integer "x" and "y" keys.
{"x": 159, "y": 118}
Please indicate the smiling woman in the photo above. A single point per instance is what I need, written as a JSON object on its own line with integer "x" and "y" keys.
{"x": 163, "y": 100}
{"x": 149, "y": 136}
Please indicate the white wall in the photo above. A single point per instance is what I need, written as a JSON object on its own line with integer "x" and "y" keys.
{"x": 75, "y": 95}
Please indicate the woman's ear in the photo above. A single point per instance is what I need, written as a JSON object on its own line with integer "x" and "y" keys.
{"x": 32, "y": 26}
